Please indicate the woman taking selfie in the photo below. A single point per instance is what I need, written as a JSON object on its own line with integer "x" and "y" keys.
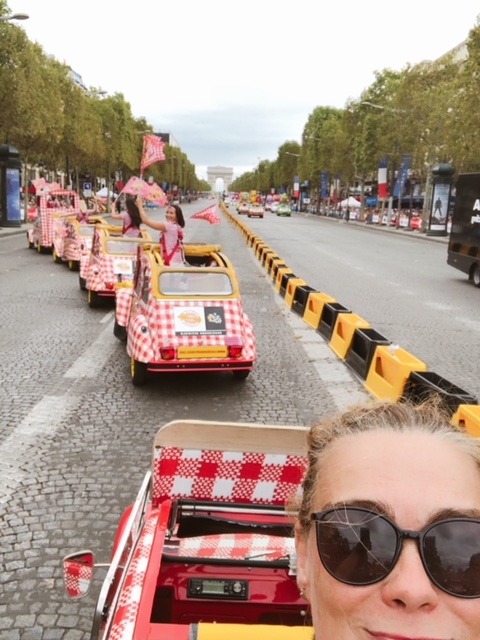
{"x": 388, "y": 529}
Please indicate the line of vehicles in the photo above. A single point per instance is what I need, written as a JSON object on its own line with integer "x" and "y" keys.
{"x": 184, "y": 317}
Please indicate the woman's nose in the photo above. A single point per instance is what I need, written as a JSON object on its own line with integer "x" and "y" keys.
{"x": 408, "y": 585}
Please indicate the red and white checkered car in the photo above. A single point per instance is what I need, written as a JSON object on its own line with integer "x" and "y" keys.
{"x": 208, "y": 541}
{"x": 112, "y": 262}
{"x": 186, "y": 317}
{"x": 54, "y": 206}
{"x": 73, "y": 239}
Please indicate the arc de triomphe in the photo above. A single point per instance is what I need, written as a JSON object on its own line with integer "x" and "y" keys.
{"x": 226, "y": 173}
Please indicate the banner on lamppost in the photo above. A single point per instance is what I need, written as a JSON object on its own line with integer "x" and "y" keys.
{"x": 296, "y": 186}
{"x": 402, "y": 176}
{"x": 325, "y": 192}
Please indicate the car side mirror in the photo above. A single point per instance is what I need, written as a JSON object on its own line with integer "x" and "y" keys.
{"x": 78, "y": 573}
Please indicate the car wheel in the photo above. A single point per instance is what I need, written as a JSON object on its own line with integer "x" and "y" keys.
{"x": 40, "y": 248}
{"x": 73, "y": 265}
{"x": 93, "y": 299}
{"x": 119, "y": 331}
{"x": 82, "y": 283}
{"x": 138, "y": 372}
{"x": 55, "y": 255}
{"x": 476, "y": 275}
{"x": 241, "y": 374}
{"x": 30, "y": 243}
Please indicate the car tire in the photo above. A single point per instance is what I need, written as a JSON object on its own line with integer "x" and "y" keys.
{"x": 476, "y": 275}
{"x": 93, "y": 299}
{"x": 82, "y": 283}
{"x": 56, "y": 257}
{"x": 241, "y": 374}
{"x": 73, "y": 265}
{"x": 40, "y": 248}
{"x": 30, "y": 243}
{"x": 138, "y": 371}
{"x": 119, "y": 331}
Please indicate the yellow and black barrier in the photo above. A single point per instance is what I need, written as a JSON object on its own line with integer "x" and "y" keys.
{"x": 360, "y": 355}
{"x": 388, "y": 372}
{"x": 343, "y": 332}
{"x": 314, "y": 309}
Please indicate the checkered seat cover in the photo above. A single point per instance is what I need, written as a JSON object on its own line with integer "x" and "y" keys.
{"x": 228, "y": 462}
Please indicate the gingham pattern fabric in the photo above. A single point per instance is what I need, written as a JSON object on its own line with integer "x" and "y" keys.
{"x": 233, "y": 546}
{"x": 84, "y": 264}
{"x": 125, "y": 615}
{"x": 160, "y": 321}
{"x": 102, "y": 270}
{"x": 223, "y": 476}
{"x": 123, "y": 302}
{"x": 74, "y": 575}
{"x": 76, "y": 245}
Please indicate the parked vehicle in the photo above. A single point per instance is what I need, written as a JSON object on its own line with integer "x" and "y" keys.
{"x": 40, "y": 236}
{"x": 464, "y": 243}
{"x": 185, "y": 317}
{"x": 207, "y": 546}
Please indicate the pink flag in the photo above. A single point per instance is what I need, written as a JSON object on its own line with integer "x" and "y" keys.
{"x": 137, "y": 187}
{"x": 152, "y": 151}
{"x": 157, "y": 195}
{"x": 39, "y": 184}
{"x": 210, "y": 214}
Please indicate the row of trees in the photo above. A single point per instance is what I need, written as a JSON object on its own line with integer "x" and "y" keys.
{"x": 57, "y": 125}
{"x": 429, "y": 111}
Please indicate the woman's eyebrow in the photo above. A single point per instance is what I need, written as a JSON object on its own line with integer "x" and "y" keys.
{"x": 448, "y": 513}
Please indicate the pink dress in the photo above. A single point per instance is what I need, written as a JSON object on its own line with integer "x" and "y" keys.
{"x": 128, "y": 228}
{"x": 172, "y": 244}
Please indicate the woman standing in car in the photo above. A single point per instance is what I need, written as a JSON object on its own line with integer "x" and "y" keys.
{"x": 171, "y": 236}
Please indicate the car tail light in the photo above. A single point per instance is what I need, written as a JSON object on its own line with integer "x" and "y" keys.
{"x": 235, "y": 351}
{"x": 110, "y": 286}
{"x": 167, "y": 353}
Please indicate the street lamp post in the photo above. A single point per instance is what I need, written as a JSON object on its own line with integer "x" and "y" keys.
{"x": 14, "y": 16}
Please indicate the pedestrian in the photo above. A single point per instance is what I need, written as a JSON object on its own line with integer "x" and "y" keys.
{"x": 388, "y": 525}
{"x": 131, "y": 218}
{"x": 171, "y": 236}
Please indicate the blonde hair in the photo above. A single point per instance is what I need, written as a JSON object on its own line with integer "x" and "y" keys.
{"x": 429, "y": 417}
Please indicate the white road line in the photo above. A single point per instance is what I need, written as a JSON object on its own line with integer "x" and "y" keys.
{"x": 19, "y": 450}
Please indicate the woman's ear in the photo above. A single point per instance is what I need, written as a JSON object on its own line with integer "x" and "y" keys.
{"x": 301, "y": 545}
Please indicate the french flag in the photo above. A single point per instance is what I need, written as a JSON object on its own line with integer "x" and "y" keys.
{"x": 382, "y": 178}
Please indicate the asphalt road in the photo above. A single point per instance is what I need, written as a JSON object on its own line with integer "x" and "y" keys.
{"x": 76, "y": 435}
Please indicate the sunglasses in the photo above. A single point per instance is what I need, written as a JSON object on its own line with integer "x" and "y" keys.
{"x": 359, "y": 547}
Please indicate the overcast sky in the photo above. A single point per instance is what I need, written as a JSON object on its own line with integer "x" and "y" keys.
{"x": 233, "y": 81}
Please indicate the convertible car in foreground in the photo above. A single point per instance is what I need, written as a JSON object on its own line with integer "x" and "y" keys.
{"x": 206, "y": 550}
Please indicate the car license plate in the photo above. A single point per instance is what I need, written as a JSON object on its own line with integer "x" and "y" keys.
{"x": 190, "y": 353}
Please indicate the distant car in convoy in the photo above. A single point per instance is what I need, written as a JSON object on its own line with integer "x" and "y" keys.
{"x": 73, "y": 239}
{"x": 284, "y": 209}
{"x": 67, "y": 204}
{"x": 243, "y": 207}
{"x": 256, "y": 210}
{"x": 273, "y": 206}
{"x": 185, "y": 317}
{"x": 112, "y": 262}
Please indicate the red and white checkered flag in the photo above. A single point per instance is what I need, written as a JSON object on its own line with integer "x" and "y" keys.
{"x": 210, "y": 214}
{"x": 152, "y": 151}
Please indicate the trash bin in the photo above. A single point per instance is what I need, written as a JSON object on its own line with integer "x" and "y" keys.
{"x": 360, "y": 354}
{"x": 329, "y": 318}
{"x": 422, "y": 384}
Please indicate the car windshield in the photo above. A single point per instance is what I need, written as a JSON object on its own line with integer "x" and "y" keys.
{"x": 121, "y": 246}
{"x": 194, "y": 283}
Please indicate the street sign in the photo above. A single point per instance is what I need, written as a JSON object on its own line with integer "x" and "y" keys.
{"x": 87, "y": 189}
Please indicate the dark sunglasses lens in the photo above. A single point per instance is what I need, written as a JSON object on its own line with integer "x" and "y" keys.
{"x": 452, "y": 555}
{"x": 356, "y": 546}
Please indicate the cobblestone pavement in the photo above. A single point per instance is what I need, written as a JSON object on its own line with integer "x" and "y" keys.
{"x": 76, "y": 435}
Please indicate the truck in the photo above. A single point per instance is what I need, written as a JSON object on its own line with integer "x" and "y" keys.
{"x": 464, "y": 242}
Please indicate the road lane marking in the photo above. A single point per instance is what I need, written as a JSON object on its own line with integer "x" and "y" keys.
{"x": 89, "y": 364}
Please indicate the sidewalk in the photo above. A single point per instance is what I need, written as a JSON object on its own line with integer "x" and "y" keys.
{"x": 15, "y": 231}
{"x": 410, "y": 233}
